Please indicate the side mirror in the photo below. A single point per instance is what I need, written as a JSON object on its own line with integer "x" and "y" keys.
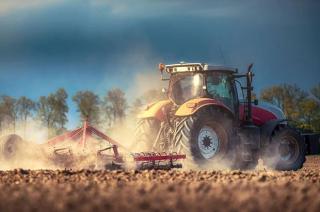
{"x": 249, "y": 73}
{"x": 250, "y": 67}
{"x": 256, "y": 102}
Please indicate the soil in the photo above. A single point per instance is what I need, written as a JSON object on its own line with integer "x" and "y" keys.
{"x": 175, "y": 190}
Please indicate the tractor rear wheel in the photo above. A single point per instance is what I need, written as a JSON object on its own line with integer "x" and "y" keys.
{"x": 207, "y": 138}
{"x": 286, "y": 151}
{"x": 145, "y": 134}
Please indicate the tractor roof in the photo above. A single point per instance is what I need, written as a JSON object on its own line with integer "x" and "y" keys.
{"x": 197, "y": 67}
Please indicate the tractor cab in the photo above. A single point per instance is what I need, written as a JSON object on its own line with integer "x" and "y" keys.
{"x": 195, "y": 80}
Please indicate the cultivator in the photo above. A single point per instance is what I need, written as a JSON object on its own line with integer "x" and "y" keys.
{"x": 155, "y": 160}
{"x": 107, "y": 157}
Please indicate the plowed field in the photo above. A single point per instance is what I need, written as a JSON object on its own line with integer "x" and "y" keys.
{"x": 262, "y": 190}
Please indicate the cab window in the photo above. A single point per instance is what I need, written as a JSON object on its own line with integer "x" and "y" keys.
{"x": 219, "y": 87}
{"x": 186, "y": 87}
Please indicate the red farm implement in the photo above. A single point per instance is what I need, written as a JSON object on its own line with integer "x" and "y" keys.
{"x": 87, "y": 147}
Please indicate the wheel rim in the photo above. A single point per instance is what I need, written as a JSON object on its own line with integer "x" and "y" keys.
{"x": 288, "y": 149}
{"x": 208, "y": 142}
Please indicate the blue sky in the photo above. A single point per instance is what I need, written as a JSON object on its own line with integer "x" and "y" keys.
{"x": 101, "y": 44}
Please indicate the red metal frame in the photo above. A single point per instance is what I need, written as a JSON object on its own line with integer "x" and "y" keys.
{"x": 82, "y": 134}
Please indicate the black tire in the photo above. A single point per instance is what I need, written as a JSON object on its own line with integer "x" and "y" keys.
{"x": 188, "y": 141}
{"x": 145, "y": 134}
{"x": 10, "y": 146}
{"x": 162, "y": 141}
{"x": 286, "y": 151}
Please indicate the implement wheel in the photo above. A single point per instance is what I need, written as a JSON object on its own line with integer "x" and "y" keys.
{"x": 10, "y": 146}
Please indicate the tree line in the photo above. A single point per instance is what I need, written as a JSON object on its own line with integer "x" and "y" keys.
{"x": 300, "y": 106}
{"x": 52, "y": 110}
{"x": 303, "y": 107}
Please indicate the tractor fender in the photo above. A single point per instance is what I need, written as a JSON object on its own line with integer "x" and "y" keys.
{"x": 268, "y": 128}
{"x": 192, "y": 106}
{"x": 155, "y": 110}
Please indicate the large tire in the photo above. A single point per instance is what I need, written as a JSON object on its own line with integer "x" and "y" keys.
{"x": 10, "y": 146}
{"x": 286, "y": 150}
{"x": 145, "y": 134}
{"x": 209, "y": 141}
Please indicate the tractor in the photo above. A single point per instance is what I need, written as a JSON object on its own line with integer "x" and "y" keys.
{"x": 211, "y": 117}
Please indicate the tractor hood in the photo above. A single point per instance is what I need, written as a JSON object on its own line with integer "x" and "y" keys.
{"x": 263, "y": 113}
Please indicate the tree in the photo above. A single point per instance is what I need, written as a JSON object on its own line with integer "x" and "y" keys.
{"x": 60, "y": 108}
{"x": 310, "y": 114}
{"x": 108, "y": 114}
{"x": 88, "y": 106}
{"x": 45, "y": 112}
{"x": 314, "y": 108}
{"x": 315, "y": 91}
{"x": 52, "y": 111}
{"x": 25, "y": 107}
{"x": 285, "y": 96}
{"x": 8, "y": 111}
{"x": 115, "y": 103}
{"x": 296, "y": 104}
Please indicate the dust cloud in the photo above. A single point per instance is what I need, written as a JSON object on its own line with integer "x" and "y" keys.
{"x": 32, "y": 154}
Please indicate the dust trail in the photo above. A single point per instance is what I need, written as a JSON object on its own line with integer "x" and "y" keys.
{"x": 124, "y": 131}
{"x": 20, "y": 146}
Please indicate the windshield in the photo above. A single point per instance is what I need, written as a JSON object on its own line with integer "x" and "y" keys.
{"x": 219, "y": 87}
{"x": 185, "y": 87}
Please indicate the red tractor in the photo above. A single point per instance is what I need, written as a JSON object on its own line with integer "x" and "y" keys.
{"x": 205, "y": 119}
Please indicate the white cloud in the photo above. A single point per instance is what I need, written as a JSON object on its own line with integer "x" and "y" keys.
{"x": 10, "y": 6}
{"x": 116, "y": 7}
{"x": 143, "y": 8}
{"x": 124, "y": 7}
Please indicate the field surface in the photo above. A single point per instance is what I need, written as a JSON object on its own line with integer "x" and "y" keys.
{"x": 259, "y": 190}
